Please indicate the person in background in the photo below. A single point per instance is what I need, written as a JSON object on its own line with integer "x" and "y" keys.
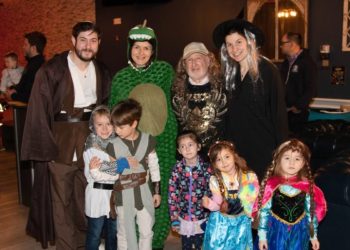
{"x": 34, "y": 45}
{"x": 65, "y": 91}
{"x": 188, "y": 184}
{"x": 11, "y": 75}
{"x": 256, "y": 117}
{"x": 299, "y": 73}
{"x": 199, "y": 100}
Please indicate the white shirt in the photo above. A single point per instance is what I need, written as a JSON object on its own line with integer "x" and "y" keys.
{"x": 97, "y": 200}
{"x": 84, "y": 84}
{"x": 10, "y": 77}
{"x": 202, "y": 82}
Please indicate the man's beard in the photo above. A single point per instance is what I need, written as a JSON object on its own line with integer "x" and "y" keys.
{"x": 79, "y": 54}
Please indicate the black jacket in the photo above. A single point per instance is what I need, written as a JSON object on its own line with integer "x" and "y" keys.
{"x": 300, "y": 80}
{"x": 24, "y": 87}
{"x": 256, "y": 118}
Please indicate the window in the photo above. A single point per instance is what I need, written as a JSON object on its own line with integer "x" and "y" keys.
{"x": 275, "y": 18}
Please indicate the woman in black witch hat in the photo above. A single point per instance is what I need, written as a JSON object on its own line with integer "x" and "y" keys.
{"x": 256, "y": 118}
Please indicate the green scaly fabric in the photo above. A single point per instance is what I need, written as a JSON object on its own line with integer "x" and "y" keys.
{"x": 161, "y": 74}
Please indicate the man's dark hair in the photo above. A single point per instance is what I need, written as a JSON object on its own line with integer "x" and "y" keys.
{"x": 36, "y": 39}
{"x": 12, "y": 55}
{"x": 85, "y": 26}
{"x": 126, "y": 112}
{"x": 295, "y": 37}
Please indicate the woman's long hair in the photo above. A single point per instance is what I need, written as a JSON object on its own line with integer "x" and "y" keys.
{"x": 253, "y": 55}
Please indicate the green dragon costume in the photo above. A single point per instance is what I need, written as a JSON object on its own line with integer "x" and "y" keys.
{"x": 151, "y": 86}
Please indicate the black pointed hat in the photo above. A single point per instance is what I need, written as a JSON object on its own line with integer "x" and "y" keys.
{"x": 239, "y": 25}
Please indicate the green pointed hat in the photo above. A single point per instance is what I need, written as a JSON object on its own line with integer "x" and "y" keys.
{"x": 142, "y": 33}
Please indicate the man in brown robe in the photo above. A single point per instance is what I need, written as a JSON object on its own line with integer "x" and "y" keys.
{"x": 65, "y": 90}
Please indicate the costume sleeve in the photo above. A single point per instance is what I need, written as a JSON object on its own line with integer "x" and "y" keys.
{"x": 315, "y": 222}
{"x": 277, "y": 104}
{"x": 104, "y": 93}
{"x": 216, "y": 199}
{"x": 154, "y": 166}
{"x": 174, "y": 194}
{"x": 320, "y": 204}
{"x": 249, "y": 190}
{"x": 264, "y": 213}
{"x": 95, "y": 174}
{"x": 38, "y": 142}
{"x": 152, "y": 143}
{"x": 207, "y": 175}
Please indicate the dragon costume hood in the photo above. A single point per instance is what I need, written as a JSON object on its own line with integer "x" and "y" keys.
{"x": 142, "y": 33}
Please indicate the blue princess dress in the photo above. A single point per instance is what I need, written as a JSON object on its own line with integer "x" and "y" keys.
{"x": 285, "y": 214}
{"x": 231, "y": 230}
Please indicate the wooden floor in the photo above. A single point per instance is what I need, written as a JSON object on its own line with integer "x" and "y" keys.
{"x": 13, "y": 216}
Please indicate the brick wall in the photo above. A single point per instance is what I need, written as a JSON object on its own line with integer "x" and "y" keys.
{"x": 55, "y": 18}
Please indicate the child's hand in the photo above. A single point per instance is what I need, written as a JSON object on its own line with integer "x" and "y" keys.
{"x": 95, "y": 163}
{"x": 133, "y": 163}
{"x": 315, "y": 244}
{"x": 263, "y": 245}
{"x": 175, "y": 226}
{"x": 156, "y": 200}
{"x": 205, "y": 201}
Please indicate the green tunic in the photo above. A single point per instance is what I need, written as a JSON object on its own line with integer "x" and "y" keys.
{"x": 158, "y": 74}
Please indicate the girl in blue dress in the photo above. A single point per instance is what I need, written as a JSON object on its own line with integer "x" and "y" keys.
{"x": 234, "y": 190}
{"x": 290, "y": 204}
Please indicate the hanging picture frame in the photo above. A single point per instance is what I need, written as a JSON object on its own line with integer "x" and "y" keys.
{"x": 346, "y": 26}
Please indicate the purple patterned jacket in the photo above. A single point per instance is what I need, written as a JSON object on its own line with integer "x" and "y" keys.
{"x": 187, "y": 186}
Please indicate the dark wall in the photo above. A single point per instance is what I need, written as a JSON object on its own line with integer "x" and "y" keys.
{"x": 176, "y": 23}
{"x": 325, "y": 27}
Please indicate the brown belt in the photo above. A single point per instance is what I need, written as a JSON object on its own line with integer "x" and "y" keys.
{"x": 133, "y": 180}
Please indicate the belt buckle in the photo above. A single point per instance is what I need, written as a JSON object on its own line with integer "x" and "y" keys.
{"x": 73, "y": 119}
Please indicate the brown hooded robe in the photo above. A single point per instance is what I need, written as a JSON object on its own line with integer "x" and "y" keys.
{"x": 46, "y": 140}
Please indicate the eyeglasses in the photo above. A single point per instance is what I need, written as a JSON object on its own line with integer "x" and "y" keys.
{"x": 284, "y": 42}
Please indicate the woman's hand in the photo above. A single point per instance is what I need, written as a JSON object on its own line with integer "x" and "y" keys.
{"x": 95, "y": 163}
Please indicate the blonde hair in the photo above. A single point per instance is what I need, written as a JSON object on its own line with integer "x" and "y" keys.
{"x": 304, "y": 174}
